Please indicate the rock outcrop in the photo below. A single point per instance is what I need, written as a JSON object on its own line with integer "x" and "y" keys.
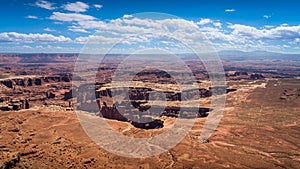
{"x": 256, "y": 76}
{"x": 290, "y": 94}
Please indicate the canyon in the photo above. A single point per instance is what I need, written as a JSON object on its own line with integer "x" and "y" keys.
{"x": 40, "y": 127}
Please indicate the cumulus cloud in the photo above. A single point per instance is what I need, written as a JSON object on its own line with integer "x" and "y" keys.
{"x": 149, "y": 24}
{"x": 235, "y": 36}
{"x": 98, "y": 6}
{"x": 269, "y": 26}
{"x": 96, "y": 39}
{"x": 69, "y": 17}
{"x": 223, "y": 35}
{"x": 30, "y": 38}
{"x": 45, "y": 4}
{"x": 216, "y": 34}
{"x": 204, "y": 21}
{"x": 75, "y": 29}
{"x": 129, "y": 26}
{"x": 91, "y": 24}
{"x": 276, "y": 33}
{"x": 217, "y": 24}
{"x": 31, "y": 17}
{"x": 267, "y": 16}
{"x": 49, "y": 30}
{"x": 126, "y": 16}
{"x": 76, "y": 6}
{"x": 230, "y": 10}
{"x": 138, "y": 31}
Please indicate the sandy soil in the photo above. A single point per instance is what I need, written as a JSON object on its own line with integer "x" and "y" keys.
{"x": 254, "y": 133}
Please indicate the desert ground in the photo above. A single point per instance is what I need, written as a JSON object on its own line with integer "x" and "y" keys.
{"x": 259, "y": 128}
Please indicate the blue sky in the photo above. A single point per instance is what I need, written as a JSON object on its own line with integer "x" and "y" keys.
{"x": 65, "y": 26}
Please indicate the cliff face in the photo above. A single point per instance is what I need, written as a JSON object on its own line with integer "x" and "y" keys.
{"x": 28, "y": 91}
{"x": 136, "y": 109}
{"x": 239, "y": 75}
{"x": 34, "y": 81}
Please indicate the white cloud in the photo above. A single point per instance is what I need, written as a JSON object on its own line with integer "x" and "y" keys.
{"x": 69, "y": 17}
{"x": 45, "y": 4}
{"x": 76, "y": 6}
{"x": 139, "y": 31}
{"x": 30, "y": 38}
{"x": 130, "y": 26}
{"x": 267, "y": 16}
{"x": 215, "y": 34}
{"x": 98, "y": 6}
{"x": 91, "y": 24}
{"x": 217, "y": 24}
{"x": 58, "y": 23}
{"x": 126, "y": 16}
{"x": 78, "y": 30}
{"x": 204, "y": 21}
{"x": 269, "y": 26}
{"x": 276, "y": 33}
{"x": 31, "y": 17}
{"x": 230, "y": 10}
{"x": 96, "y": 39}
{"x": 286, "y": 46}
{"x": 27, "y": 47}
{"x": 49, "y": 30}
{"x": 145, "y": 25}
{"x": 240, "y": 37}
{"x": 222, "y": 35}
{"x": 295, "y": 41}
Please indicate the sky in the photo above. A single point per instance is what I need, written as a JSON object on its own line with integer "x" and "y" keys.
{"x": 52, "y": 26}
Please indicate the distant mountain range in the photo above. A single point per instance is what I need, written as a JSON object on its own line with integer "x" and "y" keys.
{"x": 256, "y": 55}
{"x": 230, "y": 55}
{"x": 37, "y": 58}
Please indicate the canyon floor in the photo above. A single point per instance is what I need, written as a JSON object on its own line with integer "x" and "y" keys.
{"x": 259, "y": 129}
